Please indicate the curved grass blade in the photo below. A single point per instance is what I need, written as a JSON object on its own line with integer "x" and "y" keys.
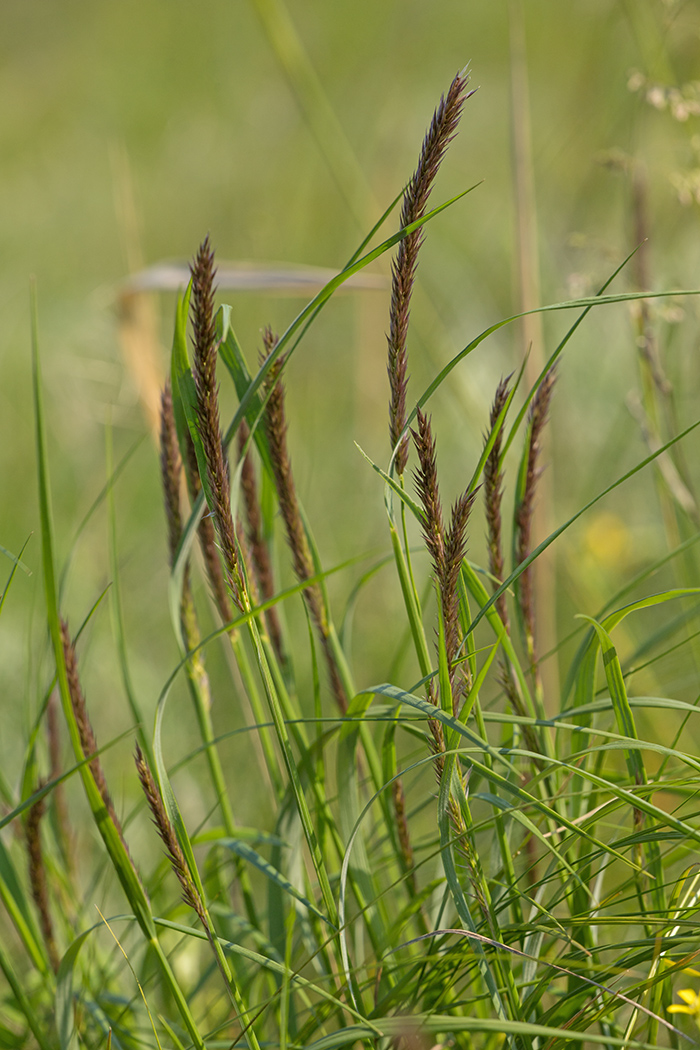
{"x": 553, "y": 357}
{"x": 17, "y": 559}
{"x": 267, "y": 963}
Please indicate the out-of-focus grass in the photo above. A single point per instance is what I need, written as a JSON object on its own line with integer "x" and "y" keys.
{"x": 192, "y": 102}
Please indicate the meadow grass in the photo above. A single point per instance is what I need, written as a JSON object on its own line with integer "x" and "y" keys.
{"x": 452, "y": 855}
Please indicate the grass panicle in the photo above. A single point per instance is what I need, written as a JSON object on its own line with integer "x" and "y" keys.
{"x": 403, "y": 830}
{"x": 87, "y": 735}
{"x": 415, "y": 201}
{"x": 526, "y": 508}
{"x": 206, "y": 535}
{"x": 447, "y": 547}
{"x": 455, "y": 552}
{"x": 493, "y": 497}
{"x": 189, "y": 890}
{"x": 209, "y": 426}
{"x": 426, "y": 479}
{"x": 433, "y": 533}
{"x": 159, "y": 816}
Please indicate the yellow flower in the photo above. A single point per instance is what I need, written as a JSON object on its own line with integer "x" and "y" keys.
{"x": 692, "y": 1004}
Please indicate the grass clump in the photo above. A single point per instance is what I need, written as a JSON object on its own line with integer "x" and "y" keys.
{"x": 453, "y": 856}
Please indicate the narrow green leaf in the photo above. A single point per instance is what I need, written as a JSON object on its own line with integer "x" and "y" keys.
{"x": 618, "y": 694}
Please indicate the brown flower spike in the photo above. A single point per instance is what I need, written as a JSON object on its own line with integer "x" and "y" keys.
{"x": 525, "y": 511}
{"x": 493, "y": 495}
{"x": 160, "y": 818}
{"x": 415, "y": 202}
{"x": 446, "y": 546}
{"x": 208, "y": 424}
{"x": 87, "y": 735}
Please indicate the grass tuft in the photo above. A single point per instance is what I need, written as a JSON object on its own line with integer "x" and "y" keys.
{"x": 427, "y": 859}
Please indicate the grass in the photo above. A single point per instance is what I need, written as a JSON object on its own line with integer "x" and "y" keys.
{"x": 449, "y": 853}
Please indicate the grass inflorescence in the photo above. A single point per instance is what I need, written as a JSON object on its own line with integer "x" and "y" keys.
{"x": 450, "y": 855}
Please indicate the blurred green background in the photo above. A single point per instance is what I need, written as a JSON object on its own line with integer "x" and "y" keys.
{"x": 129, "y": 130}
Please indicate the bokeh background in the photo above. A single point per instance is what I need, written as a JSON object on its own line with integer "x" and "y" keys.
{"x": 130, "y": 130}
